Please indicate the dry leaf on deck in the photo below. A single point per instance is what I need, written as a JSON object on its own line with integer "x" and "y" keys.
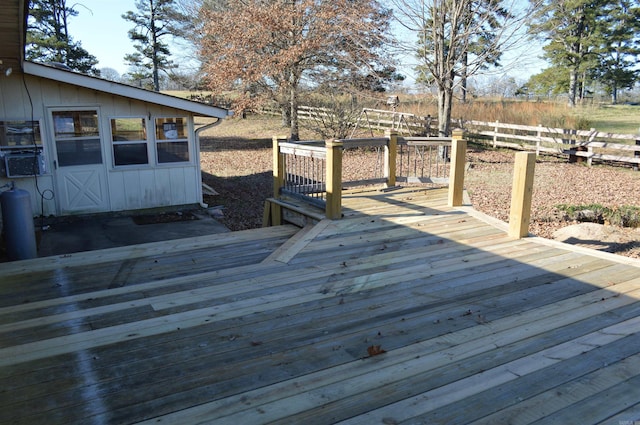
{"x": 374, "y": 350}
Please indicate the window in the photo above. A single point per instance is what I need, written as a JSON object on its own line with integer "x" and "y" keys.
{"x": 77, "y": 137}
{"x": 172, "y": 144}
{"x": 21, "y": 149}
{"x": 17, "y": 135}
{"x": 129, "y": 140}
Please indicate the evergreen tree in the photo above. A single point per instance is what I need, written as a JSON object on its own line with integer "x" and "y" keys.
{"x": 573, "y": 31}
{"x": 620, "y": 47}
{"x": 154, "y": 21}
{"x": 549, "y": 83}
{"x": 48, "y": 38}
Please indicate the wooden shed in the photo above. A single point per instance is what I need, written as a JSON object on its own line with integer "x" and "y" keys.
{"x": 81, "y": 144}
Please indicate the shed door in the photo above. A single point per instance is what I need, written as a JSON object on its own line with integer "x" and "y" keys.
{"x": 79, "y": 164}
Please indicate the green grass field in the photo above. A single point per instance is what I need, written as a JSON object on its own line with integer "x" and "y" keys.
{"x": 622, "y": 119}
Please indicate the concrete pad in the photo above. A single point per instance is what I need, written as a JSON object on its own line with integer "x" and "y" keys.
{"x": 65, "y": 235}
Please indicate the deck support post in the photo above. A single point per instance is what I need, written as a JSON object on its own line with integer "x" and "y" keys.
{"x": 390, "y": 155}
{"x": 456, "y": 171}
{"x": 521, "y": 194}
{"x": 333, "y": 209}
{"x": 275, "y": 215}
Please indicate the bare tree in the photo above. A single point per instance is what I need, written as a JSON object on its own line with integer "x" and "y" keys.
{"x": 265, "y": 49}
{"x": 457, "y": 39}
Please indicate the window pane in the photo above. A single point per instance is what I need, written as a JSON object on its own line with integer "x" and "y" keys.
{"x": 171, "y": 128}
{"x": 19, "y": 133}
{"x": 128, "y": 129}
{"x": 129, "y": 154}
{"x": 78, "y": 152}
{"x": 173, "y": 152}
{"x": 75, "y": 123}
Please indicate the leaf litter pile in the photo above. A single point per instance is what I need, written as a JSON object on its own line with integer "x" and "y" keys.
{"x": 240, "y": 170}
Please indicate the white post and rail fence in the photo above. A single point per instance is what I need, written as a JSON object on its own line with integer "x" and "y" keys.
{"x": 577, "y": 145}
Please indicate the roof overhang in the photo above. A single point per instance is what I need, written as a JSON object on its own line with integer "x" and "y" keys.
{"x": 13, "y": 30}
{"x": 124, "y": 90}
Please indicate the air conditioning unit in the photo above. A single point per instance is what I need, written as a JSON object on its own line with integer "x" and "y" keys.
{"x": 24, "y": 164}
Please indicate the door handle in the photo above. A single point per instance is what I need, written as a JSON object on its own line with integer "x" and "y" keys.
{"x": 55, "y": 164}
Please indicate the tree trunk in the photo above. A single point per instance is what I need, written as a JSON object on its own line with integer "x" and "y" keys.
{"x": 154, "y": 47}
{"x": 573, "y": 87}
{"x": 445, "y": 98}
{"x": 293, "y": 96}
{"x": 285, "y": 114}
{"x": 463, "y": 77}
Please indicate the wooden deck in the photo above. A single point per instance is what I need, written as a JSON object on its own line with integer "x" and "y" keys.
{"x": 404, "y": 311}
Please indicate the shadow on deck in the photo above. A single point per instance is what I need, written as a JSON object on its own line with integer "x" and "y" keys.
{"x": 404, "y": 311}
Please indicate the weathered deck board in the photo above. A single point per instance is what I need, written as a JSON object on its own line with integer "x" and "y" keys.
{"x": 52, "y": 277}
{"x": 476, "y": 327}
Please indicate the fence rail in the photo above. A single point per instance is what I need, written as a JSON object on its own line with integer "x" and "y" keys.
{"x": 586, "y": 145}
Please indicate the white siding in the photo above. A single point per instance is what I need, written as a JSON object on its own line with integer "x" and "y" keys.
{"x": 130, "y": 187}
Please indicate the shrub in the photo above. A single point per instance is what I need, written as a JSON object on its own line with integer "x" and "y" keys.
{"x": 624, "y": 216}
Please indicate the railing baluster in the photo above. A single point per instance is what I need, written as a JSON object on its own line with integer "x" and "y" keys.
{"x": 304, "y": 169}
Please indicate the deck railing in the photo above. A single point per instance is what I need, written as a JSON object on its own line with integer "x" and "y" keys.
{"x": 304, "y": 172}
{"x": 423, "y": 159}
{"x": 317, "y": 171}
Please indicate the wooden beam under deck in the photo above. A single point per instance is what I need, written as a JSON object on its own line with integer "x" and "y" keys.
{"x": 404, "y": 311}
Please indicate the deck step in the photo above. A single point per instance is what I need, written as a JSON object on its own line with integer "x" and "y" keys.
{"x": 285, "y": 210}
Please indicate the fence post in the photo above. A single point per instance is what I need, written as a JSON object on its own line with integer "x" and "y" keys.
{"x": 539, "y": 141}
{"x": 495, "y": 134}
{"x": 334, "y": 179}
{"x": 521, "y": 194}
{"x": 636, "y": 154}
{"x": 589, "y": 147}
{"x": 456, "y": 170}
{"x": 278, "y": 181}
{"x": 390, "y": 155}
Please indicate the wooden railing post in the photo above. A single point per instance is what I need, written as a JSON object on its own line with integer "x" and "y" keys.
{"x": 521, "y": 194}
{"x": 456, "y": 171}
{"x": 390, "y": 155}
{"x": 334, "y": 179}
{"x": 278, "y": 181}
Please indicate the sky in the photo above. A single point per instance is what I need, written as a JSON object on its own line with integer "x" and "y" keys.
{"x": 100, "y": 29}
{"x": 102, "y": 32}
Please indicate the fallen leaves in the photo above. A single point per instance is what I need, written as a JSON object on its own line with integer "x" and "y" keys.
{"x": 375, "y": 350}
{"x": 241, "y": 171}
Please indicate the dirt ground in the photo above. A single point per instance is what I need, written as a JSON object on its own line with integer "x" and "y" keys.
{"x": 489, "y": 179}
{"x": 240, "y": 171}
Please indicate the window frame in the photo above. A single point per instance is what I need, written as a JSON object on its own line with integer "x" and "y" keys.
{"x": 163, "y": 136}
{"x": 35, "y": 125}
{"x": 79, "y": 137}
{"x": 145, "y": 142}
